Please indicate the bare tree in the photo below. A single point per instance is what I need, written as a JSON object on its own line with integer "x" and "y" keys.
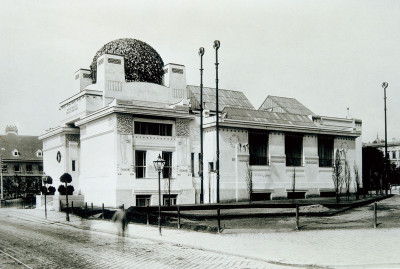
{"x": 337, "y": 175}
{"x": 347, "y": 179}
{"x": 356, "y": 180}
{"x": 249, "y": 181}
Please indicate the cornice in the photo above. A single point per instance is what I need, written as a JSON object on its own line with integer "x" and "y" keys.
{"x": 59, "y": 130}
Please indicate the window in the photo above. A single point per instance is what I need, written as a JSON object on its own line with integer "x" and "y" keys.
{"x": 73, "y": 165}
{"x": 200, "y": 160}
{"x": 29, "y": 168}
{"x": 393, "y": 154}
{"x": 167, "y": 171}
{"x": 152, "y": 128}
{"x": 39, "y": 153}
{"x": 40, "y": 168}
{"x": 4, "y": 168}
{"x": 294, "y": 149}
{"x": 16, "y": 152}
{"x": 258, "y": 148}
{"x": 17, "y": 168}
{"x": 140, "y": 163}
{"x": 192, "y": 163}
{"x": 325, "y": 151}
{"x": 169, "y": 199}
{"x": 143, "y": 200}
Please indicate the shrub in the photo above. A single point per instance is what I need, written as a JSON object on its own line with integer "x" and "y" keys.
{"x": 61, "y": 189}
{"x": 51, "y": 190}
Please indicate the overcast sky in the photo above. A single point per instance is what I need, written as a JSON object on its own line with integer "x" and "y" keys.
{"x": 329, "y": 55}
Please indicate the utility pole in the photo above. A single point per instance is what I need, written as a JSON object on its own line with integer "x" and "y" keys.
{"x": 201, "y": 53}
{"x": 216, "y": 47}
{"x": 384, "y": 86}
{"x": 1, "y": 178}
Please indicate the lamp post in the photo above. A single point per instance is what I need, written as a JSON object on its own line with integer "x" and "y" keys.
{"x": 384, "y": 86}
{"x": 159, "y": 165}
{"x": 1, "y": 179}
{"x": 216, "y": 46}
{"x": 201, "y": 53}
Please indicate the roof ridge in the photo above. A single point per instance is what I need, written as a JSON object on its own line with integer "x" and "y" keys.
{"x": 218, "y": 88}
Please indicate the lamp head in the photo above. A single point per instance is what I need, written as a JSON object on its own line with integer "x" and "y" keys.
{"x": 385, "y": 85}
{"x": 217, "y": 44}
{"x": 201, "y": 51}
{"x": 159, "y": 163}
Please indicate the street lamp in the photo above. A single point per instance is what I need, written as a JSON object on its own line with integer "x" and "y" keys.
{"x": 159, "y": 165}
{"x": 201, "y": 53}
{"x": 384, "y": 86}
{"x": 46, "y": 180}
{"x": 216, "y": 46}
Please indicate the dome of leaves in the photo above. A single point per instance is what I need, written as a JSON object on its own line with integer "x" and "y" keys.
{"x": 142, "y": 62}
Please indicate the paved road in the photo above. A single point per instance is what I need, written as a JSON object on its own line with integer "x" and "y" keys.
{"x": 38, "y": 243}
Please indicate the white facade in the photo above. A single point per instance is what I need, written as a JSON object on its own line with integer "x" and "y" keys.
{"x": 104, "y": 146}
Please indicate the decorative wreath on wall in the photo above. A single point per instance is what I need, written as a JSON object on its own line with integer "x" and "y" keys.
{"x": 142, "y": 62}
{"x": 58, "y": 156}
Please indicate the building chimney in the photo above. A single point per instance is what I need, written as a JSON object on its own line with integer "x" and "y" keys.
{"x": 11, "y": 129}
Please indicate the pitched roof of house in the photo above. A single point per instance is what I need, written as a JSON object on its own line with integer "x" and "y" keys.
{"x": 267, "y": 117}
{"x": 227, "y": 98}
{"x": 285, "y": 105}
{"x": 27, "y": 147}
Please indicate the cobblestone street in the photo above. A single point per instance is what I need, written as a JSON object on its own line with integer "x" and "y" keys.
{"x": 42, "y": 244}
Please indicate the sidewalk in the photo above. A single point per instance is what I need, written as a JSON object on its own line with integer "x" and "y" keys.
{"x": 363, "y": 248}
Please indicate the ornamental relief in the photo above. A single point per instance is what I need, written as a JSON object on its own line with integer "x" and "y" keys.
{"x": 72, "y": 138}
{"x": 182, "y": 127}
{"x": 124, "y": 124}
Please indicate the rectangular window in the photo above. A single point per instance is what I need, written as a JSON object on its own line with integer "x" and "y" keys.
{"x": 169, "y": 199}
{"x": 40, "y": 168}
{"x": 167, "y": 171}
{"x": 325, "y": 151}
{"x": 17, "y": 168}
{"x": 29, "y": 168}
{"x": 143, "y": 200}
{"x": 152, "y": 128}
{"x": 258, "y": 148}
{"x": 192, "y": 163}
{"x": 394, "y": 155}
{"x": 140, "y": 163}
{"x": 294, "y": 149}
{"x": 73, "y": 165}
{"x": 4, "y": 168}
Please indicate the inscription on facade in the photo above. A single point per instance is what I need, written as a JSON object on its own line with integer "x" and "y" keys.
{"x": 177, "y": 70}
{"x": 72, "y": 108}
{"x": 114, "y": 61}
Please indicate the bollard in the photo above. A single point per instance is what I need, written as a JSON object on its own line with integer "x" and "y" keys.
{"x": 91, "y": 207}
{"x": 375, "y": 215}
{"x": 179, "y": 218}
{"x": 102, "y": 210}
{"x": 147, "y": 215}
{"x": 86, "y": 214}
{"x": 297, "y": 217}
{"x": 219, "y": 219}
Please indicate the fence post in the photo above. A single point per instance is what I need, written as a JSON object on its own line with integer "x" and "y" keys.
{"x": 123, "y": 207}
{"x": 179, "y": 218}
{"x": 102, "y": 210}
{"x": 219, "y": 219}
{"x": 297, "y": 217}
{"x": 60, "y": 205}
{"x": 31, "y": 202}
{"x": 147, "y": 215}
{"x": 91, "y": 207}
{"x": 86, "y": 214}
{"x": 375, "y": 215}
{"x": 72, "y": 207}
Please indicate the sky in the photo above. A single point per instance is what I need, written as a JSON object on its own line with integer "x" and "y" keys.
{"x": 329, "y": 55}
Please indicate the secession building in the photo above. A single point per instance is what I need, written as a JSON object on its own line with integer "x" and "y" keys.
{"x": 130, "y": 107}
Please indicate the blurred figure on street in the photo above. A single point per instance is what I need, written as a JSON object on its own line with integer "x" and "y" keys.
{"x": 121, "y": 219}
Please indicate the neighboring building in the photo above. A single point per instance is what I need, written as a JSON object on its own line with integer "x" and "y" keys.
{"x": 393, "y": 149}
{"x": 112, "y": 131}
{"x": 22, "y": 162}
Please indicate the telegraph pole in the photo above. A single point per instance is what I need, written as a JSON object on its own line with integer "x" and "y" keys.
{"x": 216, "y": 47}
{"x": 201, "y": 53}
